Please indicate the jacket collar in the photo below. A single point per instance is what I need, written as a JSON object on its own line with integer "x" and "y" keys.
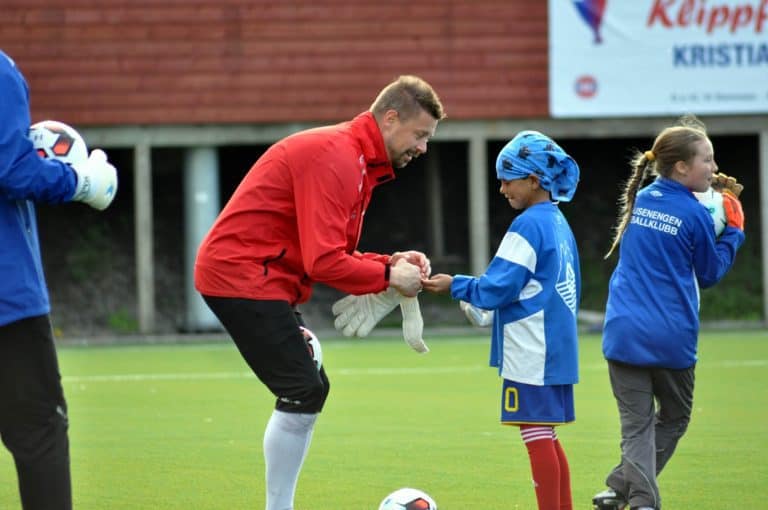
{"x": 379, "y": 168}
{"x": 672, "y": 185}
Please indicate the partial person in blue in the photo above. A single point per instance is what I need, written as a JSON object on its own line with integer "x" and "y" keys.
{"x": 667, "y": 252}
{"x": 33, "y": 412}
{"x": 531, "y": 292}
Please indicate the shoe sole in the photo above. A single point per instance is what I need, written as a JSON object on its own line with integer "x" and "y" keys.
{"x": 609, "y": 504}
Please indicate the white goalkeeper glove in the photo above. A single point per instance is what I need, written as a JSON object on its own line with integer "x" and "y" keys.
{"x": 477, "y": 316}
{"x": 357, "y": 315}
{"x": 413, "y": 324}
{"x": 96, "y": 181}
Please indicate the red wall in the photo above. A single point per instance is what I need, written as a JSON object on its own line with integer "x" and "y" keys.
{"x": 103, "y": 62}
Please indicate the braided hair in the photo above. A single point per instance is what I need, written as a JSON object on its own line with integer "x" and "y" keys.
{"x": 673, "y": 144}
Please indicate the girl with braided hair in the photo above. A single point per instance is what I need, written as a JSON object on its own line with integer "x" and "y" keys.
{"x": 667, "y": 251}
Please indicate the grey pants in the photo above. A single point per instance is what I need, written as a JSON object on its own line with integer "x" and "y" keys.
{"x": 654, "y": 407}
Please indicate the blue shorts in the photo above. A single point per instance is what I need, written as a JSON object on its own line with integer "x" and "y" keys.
{"x": 524, "y": 404}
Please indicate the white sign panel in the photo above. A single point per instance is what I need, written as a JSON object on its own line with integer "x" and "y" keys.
{"x": 657, "y": 57}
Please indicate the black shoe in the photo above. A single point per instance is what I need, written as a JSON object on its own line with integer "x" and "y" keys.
{"x": 609, "y": 499}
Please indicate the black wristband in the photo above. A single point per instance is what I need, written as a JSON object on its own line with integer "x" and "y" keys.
{"x": 386, "y": 272}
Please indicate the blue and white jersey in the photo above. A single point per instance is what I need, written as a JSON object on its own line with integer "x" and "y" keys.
{"x": 533, "y": 284}
{"x": 25, "y": 179}
{"x": 667, "y": 252}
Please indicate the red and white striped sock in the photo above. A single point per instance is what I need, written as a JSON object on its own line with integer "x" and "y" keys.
{"x": 545, "y": 465}
{"x": 566, "y": 500}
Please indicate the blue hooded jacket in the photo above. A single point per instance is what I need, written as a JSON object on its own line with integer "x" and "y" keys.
{"x": 667, "y": 253}
{"x": 533, "y": 283}
{"x": 25, "y": 179}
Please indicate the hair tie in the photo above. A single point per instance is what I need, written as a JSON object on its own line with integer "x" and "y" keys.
{"x": 649, "y": 155}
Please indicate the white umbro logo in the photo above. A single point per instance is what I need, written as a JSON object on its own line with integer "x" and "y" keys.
{"x": 657, "y": 193}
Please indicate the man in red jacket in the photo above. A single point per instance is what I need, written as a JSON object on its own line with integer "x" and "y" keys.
{"x": 294, "y": 220}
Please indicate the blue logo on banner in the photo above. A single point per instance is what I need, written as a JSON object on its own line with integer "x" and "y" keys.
{"x": 591, "y": 12}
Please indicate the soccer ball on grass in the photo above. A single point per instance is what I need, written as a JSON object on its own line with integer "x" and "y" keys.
{"x": 408, "y": 499}
{"x": 55, "y": 140}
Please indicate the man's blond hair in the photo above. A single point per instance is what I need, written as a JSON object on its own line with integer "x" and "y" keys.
{"x": 407, "y": 96}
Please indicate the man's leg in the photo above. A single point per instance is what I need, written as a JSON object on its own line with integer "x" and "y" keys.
{"x": 268, "y": 337}
{"x": 33, "y": 414}
{"x": 286, "y": 443}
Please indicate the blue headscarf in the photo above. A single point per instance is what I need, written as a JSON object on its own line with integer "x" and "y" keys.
{"x": 531, "y": 152}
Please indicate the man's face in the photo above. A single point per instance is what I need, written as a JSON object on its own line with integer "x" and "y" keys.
{"x": 406, "y": 140}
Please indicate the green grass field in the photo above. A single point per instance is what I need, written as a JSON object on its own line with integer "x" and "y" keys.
{"x": 180, "y": 427}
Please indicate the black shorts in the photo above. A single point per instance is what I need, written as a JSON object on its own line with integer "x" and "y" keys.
{"x": 268, "y": 337}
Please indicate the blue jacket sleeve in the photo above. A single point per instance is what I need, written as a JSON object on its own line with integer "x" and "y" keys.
{"x": 711, "y": 261}
{"x": 23, "y": 174}
{"x": 500, "y": 285}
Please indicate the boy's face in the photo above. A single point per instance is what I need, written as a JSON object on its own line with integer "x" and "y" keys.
{"x": 521, "y": 193}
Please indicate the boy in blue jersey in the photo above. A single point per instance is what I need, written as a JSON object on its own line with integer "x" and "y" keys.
{"x": 33, "y": 412}
{"x": 668, "y": 251}
{"x": 533, "y": 286}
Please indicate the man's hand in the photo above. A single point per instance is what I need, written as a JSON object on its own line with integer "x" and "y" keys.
{"x": 96, "y": 181}
{"x": 405, "y": 277}
{"x": 413, "y": 257}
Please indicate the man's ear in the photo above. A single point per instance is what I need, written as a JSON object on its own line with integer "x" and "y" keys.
{"x": 390, "y": 117}
{"x": 535, "y": 182}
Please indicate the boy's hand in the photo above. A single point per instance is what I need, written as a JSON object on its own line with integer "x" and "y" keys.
{"x": 439, "y": 283}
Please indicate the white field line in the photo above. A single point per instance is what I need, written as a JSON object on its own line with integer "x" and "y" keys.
{"x": 192, "y": 376}
{"x": 199, "y": 376}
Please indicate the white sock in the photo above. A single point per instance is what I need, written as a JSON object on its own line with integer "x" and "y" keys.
{"x": 286, "y": 441}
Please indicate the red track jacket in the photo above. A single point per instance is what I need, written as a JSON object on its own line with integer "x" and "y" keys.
{"x": 296, "y": 219}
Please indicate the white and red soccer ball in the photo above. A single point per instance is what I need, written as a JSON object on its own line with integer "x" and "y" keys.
{"x": 56, "y": 140}
{"x": 713, "y": 201}
{"x": 408, "y": 499}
